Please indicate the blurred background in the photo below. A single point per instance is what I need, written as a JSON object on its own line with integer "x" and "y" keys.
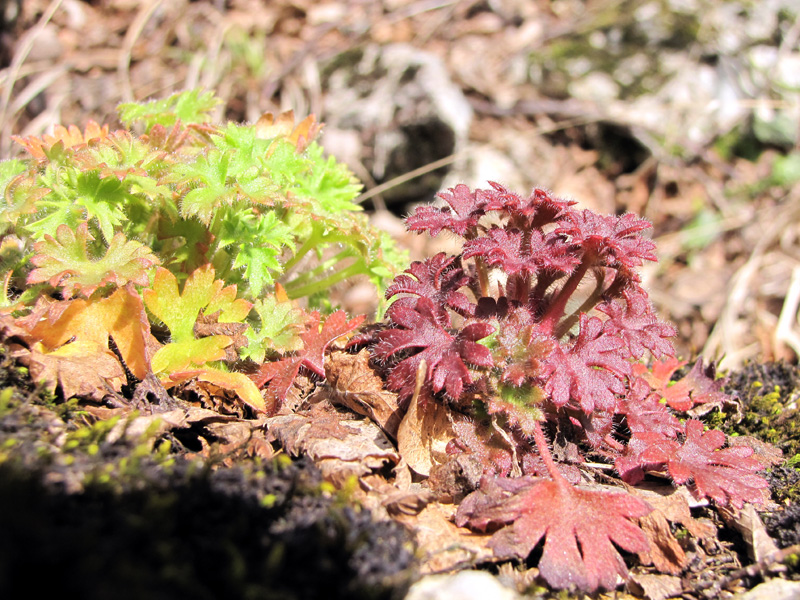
{"x": 684, "y": 111}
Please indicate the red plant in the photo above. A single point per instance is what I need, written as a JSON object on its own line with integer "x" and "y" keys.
{"x": 540, "y": 323}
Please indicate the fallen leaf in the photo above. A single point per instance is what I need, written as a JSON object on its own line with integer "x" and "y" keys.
{"x": 760, "y": 546}
{"x": 664, "y": 552}
{"x": 423, "y": 435}
{"x": 656, "y": 587}
{"x": 341, "y": 449}
{"x": 443, "y": 545}
{"x": 354, "y": 384}
{"x": 79, "y": 369}
{"x": 675, "y": 505}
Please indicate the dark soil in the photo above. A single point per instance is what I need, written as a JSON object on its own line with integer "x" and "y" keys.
{"x": 82, "y": 517}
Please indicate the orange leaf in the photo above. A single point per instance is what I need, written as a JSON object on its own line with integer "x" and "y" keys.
{"x": 120, "y": 316}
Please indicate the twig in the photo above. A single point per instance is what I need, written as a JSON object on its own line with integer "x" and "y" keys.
{"x": 124, "y": 64}
{"x": 785, "y": 331}
{"x": 26, "y": 43}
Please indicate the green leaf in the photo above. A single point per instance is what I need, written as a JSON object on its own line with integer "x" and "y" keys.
{"x": 186, "y": 107}
{"x": 209, "y": 186}
{"x": 281, "y": 326}
{"x": 65, "y": 262}
{"x": 183, "y": 355}
{"x": 20, "y": 189}
{"x": 231, "y": 309}
{"x": 77, "y": 197}
{"x": 256, "y": 242}
{"x": 179, "y": 310}
{"x": 330, "y": 183}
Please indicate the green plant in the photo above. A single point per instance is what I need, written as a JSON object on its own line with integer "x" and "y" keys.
{"x": 100, "y": 230}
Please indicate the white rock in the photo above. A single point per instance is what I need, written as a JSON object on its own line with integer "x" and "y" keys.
{"x": 466, "y": 585}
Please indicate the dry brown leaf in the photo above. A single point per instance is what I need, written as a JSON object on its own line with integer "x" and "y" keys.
{"x": 656, "y": 587}
{"x": 92, "y": 372}
{"x": 760, "y": 546}
{"x": 674, "y": 505}
{"x": 443, "y": 545}
{"x": 341, "y": 448}
{"x": 231, "y": 436}
{"x": 665, "y": 553}
{"x": 354, "y": 384}
{"x": 423, "y": 436}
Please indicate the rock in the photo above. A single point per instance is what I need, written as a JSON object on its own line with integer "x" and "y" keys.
{"x": 774, "y": 589}
{"x": 466, "y": 585}
{"x": 406, "y": 111}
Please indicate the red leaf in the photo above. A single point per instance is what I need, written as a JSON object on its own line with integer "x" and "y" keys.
{"x": 540, "y": 208}
{"x": 698, "y": 386}
{"x": 281, "y": 374}
{"x": 646, "y": 414}
{"x": 589, "y": 372}
{"x": 637, "y": 324}
{"x": 580, "y": 528}
{"x": 725, "y": 475}
{"x": 512, "y": 253}
{"x": 316, "y": 340}
{"x": 461, "y": 216}
{"x": 611, "y": 239}
{"x": 423, "y": 326}
{"x": 438, "y": 278}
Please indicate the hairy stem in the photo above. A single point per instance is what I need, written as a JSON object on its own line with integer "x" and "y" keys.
{"x": 556, "y": 309}
{"x": 586, "y": 306}
{"x": 544, "y": 452}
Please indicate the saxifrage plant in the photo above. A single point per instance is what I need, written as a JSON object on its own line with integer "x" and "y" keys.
{"x": 537, "y": 329}
{"x": 200, "y": 235}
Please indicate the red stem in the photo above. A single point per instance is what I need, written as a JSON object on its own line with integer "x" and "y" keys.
{"x": 544, "y": 452}
{"x": 556, "y": 309}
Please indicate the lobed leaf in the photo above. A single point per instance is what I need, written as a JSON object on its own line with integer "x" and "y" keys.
{"x": 590, "y": 371}
{"x": 281, "y": 374}
{"x": 64, "y": 262}
{"x": 447, "y": 356}
{"x": 726, "y": 475}
{"x": 609, "y": 239}
{"x": 191, "y": 106}
{"x": 438, "y": 279}
{"x": 580, "y": 528}
{"x": 121, "y": 317}
{"x": 514, "y": 252}
{"x": 637, "y": 324}
{"x": 461, "y": 216}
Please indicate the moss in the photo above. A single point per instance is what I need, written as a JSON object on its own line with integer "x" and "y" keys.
{"x": 132, "y": 519}
{"x": 769, "y": 393}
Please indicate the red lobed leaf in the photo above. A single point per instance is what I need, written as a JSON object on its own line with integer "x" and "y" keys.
{"x": 579, "y": 526}
{"x": 282, "y": 373}
{"x": 512, "y": 253}
{"x": 725, "y": 475}
{"x": 437, "y": 278}
{"x": 461, "y": 216}
{"x": 590, "y": 371}
{"x": 422, "y": 326}
{"x": 637, "y": 324}
{"x": 611, "y": 239}
{"x": 540, "y": 208}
